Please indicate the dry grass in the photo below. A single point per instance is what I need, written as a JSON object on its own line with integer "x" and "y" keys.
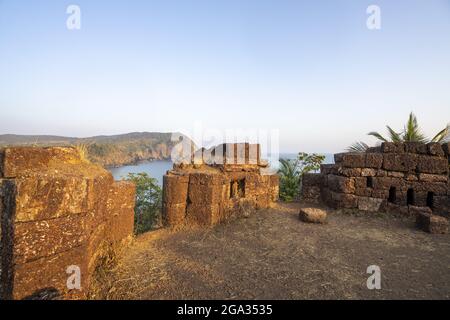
{"x": 108, "y": 260}
{"x": 82, "y": 150}
{"x": 272, "y": 255}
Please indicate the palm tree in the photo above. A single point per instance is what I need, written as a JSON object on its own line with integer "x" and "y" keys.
{"x": 411, "y": 133}
{"x": 289, "y": 179}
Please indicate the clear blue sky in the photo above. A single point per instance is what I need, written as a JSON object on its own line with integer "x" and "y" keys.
{"x": 311, "y": 69}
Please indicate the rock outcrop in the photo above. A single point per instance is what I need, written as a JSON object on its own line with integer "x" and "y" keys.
{"x": 57, "y": 214}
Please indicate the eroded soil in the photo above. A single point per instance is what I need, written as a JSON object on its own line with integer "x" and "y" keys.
{"x": 273, "y": 255}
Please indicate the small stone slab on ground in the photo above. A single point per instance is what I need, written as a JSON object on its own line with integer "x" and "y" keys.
{"x": 432, "y": 223}
{"x": 312, "y": 215}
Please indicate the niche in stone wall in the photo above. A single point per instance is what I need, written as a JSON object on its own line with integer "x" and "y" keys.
{"x": 369, "y": 182}
{"x": 237, "y": 188}
{"x": 430, "y": 200}
{"x": 392, "y": 195}
{"x": 410, "y": 197}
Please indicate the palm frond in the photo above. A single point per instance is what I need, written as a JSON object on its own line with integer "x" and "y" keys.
{"x": 395, "y": 137}
{"x": 442, "y": 136}
{"x": 411, "y": 133}
{"x": 412, "y": 130}
{"x": 377, "y": 135}
{"x": 358, "y": 146}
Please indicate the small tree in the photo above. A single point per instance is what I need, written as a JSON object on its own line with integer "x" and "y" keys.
{"x": 291, "y": 172}
{"x": 148, "y": 201}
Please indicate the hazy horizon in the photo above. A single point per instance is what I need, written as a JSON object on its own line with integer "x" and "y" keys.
{"x": 312, "y": 70}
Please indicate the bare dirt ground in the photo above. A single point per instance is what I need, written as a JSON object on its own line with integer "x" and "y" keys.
{"x": 273, "y": 255}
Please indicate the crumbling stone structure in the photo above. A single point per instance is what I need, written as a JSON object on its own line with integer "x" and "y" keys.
{"x": 58, "y": 212}
{"x": 215, "y": 184}
{"x": 392, "y": 178}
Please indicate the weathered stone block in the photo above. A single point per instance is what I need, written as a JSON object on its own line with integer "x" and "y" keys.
{"x": 396, "y": 174}
{"x": 350, "y": 172}
{"x": 384, "y": 183}
{"x": 312, "y": 215}
{"x": 392, "y": 147}
{"x": 341, "y": 184}
{"x": 120, "y": 210}
{"x": 360, "y": 182}
{"x": 327, "y": 168}
{"x": 435, "y": 165}
{"x": 326, "y": 196}
{"x": 205, "y": 178}
{"x": 364, "y": 192}
{"x": 382, "y": 194}
{"x": 175, "y": 188}
{"x": 203, "y": 215}
{"x": 338, "y": 157}
{"x": 416, "y": 210}
{"x": 382, "y": 173}
{"x": 446, "y": 148}
{"x": 312, "y": 179}
{"x": 354, "y": 160}
{"x": 368, "y": 172}
{"x": 374, "y": 149}
{"x": 428, "y": 177}
{"x": 274, "y": 180}
{"x": 47, "y": 273}
{"x": 55, "y": 214}
{"x": 204, "y": 194}
{"x": 438, "y": 188}
{"x": 274, "y": 187}
{"x": 415, "y": 147}
{"x": 98, "y": 188}
{"x": 374, "y": 160}
{"x": 435, "y": 149}
{"x": 262, "y": 201}
{"x": 37, "y": 239}
{"x": 441, "y": 205}
{"x": 369, "y": 204}
{"x": 311, "y": 194}
{"x": 432, "y": 223}
{"x": 400, "y": 162}
{"x": 344, "y": 200}
{"x": 43, "y": 197}
{"x": 22, "y": 160}
{"x": 410, "y": 177}
{"x": 174, "y": 214}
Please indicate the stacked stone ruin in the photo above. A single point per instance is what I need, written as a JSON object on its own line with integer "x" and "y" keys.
{"x": 58, "y": 215}
{"x": 395, "y": 177}
{"x": 217, "y": 183}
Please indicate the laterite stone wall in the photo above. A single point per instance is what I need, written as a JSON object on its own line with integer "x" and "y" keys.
{"x": 57, "y": 211}
{"x": 393, "y": 177}
{"x": 217, "y": 184}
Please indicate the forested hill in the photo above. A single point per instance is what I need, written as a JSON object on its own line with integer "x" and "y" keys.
{"x": 115, "y": 150}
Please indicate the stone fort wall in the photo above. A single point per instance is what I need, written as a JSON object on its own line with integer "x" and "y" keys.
{"x": 391, "y": 178}
{"x": 215, "y": 184}
{"x": 57, "y": 211}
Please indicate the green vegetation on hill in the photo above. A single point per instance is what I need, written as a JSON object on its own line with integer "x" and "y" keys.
{"x": 107, "y": 151}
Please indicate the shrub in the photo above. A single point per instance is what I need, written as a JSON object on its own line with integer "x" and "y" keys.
{"x": 147, "y": 210}
{"x": 292, "y": 170}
